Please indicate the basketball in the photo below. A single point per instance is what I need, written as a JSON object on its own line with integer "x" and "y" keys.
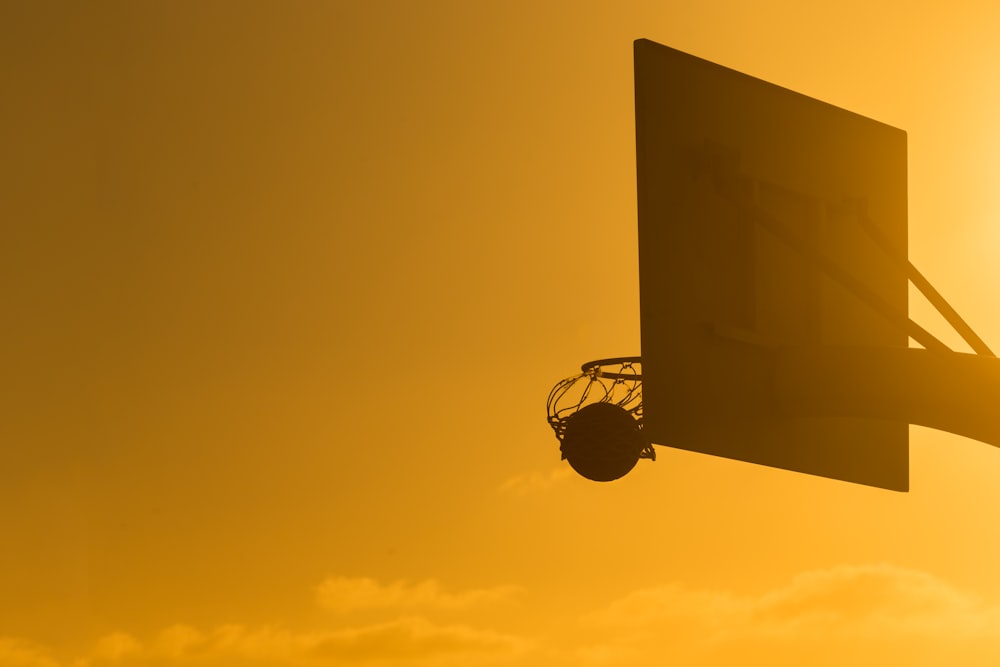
{"x": 602, "y": 441}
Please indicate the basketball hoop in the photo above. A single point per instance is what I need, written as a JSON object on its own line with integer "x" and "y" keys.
{"x": 597, "y": 418}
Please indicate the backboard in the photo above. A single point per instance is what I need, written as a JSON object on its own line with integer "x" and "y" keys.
{"x": 738, "y": 181}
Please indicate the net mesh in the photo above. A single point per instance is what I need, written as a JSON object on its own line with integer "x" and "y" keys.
{"x": 614, "y": 381}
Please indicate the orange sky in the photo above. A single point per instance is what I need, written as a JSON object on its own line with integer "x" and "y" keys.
{"x": 285, "y": 287}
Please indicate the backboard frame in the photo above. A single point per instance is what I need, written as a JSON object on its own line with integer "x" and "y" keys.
{"x": 715, "y": 149}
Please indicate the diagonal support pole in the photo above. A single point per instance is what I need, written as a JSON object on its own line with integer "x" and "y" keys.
{"x": 921, "y": 283}
{"x": 899, "y": 319}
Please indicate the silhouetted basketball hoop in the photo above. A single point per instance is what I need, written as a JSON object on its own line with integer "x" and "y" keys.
{"x": 597, "y": 417}
{"x": 773, "y": 293}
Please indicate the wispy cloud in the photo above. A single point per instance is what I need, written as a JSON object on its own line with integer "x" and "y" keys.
{"x": 347, "y": 594}
{"x": 116, "y": 647}
{"x": 843, "y": 599}
{"x": 877, "y": 599}
{"x": 414, "y": 639}
{"x": 406, "y": 640}
{"x": 404, "y": 635}
{"x": 20, "y": 653}
{"x": 183, "y": 644}
{"x": 863, "y": 615}
{"x": 837, "y": 613}
{"x": 536, "y": 482}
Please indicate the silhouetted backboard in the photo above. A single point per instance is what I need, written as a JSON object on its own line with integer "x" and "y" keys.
{"x": 738, "y": 180}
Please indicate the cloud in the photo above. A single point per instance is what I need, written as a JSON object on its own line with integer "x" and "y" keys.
{"x": 401, "y": 637}
{"x": 846, "y": 598}
{"x": 20, "y": 653}
{"x": 672, "y": 604}
{"x": 863, "y": 615}
{"x": 877, "y": 598}
{"x": 833, "y": 616}
{"x": 536, "y": 482}
{"x": 116, "y": 647}
{"x": 348, "y": 594}
{"x": 182, "y": 640}
{"x": 414, "y": 639}
{"x": 408, "y": 640}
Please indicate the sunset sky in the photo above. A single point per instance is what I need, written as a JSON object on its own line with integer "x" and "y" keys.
{"x": 285, "y": 286}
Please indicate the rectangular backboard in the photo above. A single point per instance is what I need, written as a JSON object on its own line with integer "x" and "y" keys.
{"x": 717, "y": 152}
